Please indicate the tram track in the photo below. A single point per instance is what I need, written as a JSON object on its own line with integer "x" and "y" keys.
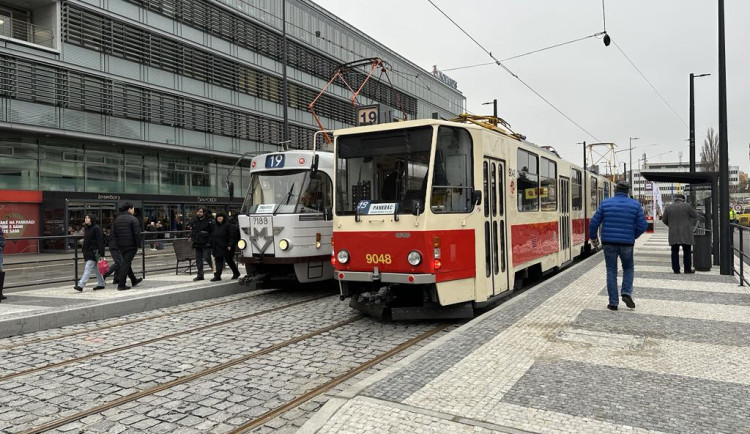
{"x": 187, "y": 378}
{"x": 130, "y": 322}
{"x": 161, "y": 338}
{"x": 278, "y": 411}
{"x": 269, "y": 415}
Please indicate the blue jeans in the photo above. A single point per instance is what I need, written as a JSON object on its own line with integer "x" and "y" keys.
{"x": 91, "y": 266}
{"x": 611, "y": 252}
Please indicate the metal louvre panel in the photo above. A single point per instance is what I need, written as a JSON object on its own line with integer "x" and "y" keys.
{"x": 29, "y": 113}
{"x": 139, "y": 45}
{"x": 28, "y": 80}
{"x": 229, "y": 26}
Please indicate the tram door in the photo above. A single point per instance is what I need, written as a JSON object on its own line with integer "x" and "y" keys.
{"x": 496, "y": 264}
{"x": 565, "y": 227}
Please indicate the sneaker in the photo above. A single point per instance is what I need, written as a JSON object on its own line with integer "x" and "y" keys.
{"x": 78, "y": 288}
{"x": 215, "y": 279}
{"x": 610, "y": 307}
{"x": 96, "y": 288}
{"x": 135, "y": 282}
{"x": 689, "y": 271}
{"x": 197, "y": 278}
{"x": 123, "y": 288}
{"x": 628, "y": 301}
{"x": 235, "y": 276}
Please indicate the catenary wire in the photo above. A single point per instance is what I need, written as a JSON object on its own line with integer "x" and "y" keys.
{"x": 526, "y": 54}
{"x": 649, "y": 83}
{"x": 512, "y": 73}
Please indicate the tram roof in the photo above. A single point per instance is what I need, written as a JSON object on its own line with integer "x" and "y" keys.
{"x": 429, "y": 121}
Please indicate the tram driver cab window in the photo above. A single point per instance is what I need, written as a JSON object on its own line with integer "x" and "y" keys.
{"x": 452, "y": 180}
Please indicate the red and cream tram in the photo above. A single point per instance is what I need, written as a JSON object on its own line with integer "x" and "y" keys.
{"x": 433, "y": 218}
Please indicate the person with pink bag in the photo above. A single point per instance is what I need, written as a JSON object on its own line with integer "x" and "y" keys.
{"x": 93, "y": 249}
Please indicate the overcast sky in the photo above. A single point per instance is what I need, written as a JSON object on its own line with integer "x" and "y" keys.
{"x": 594, "y": 85}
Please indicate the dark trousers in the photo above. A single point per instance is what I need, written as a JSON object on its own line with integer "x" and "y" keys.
{"x": 687, "y": 256}
{"x": 202, "y": 254}
{"x": 220, "y": 265}
{"x": 117, "y": 256}
{"x": 125, "y": 267}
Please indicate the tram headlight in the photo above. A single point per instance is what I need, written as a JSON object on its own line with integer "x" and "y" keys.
{"x": 284, "y": 244}
{"x": 242, "y": 244}
{"x": 342, "y": 256}
{"x": 414, "y": 258}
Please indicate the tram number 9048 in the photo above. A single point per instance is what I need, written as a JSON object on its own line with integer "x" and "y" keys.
{"x": 374, "y": 258}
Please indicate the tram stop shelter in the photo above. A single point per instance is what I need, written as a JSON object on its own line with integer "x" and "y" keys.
{"x": 698, "y": 181}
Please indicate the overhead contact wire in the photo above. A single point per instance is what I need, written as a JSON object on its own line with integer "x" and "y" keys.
{"x": 512, "y": 73}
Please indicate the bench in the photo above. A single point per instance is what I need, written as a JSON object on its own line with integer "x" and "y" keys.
{"x": 183, "y": 251}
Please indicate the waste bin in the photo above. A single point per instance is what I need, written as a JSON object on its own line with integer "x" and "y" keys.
{"x": 702, "y": 252}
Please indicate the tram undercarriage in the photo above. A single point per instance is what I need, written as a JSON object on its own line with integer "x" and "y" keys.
{"x": 401, "y": 302}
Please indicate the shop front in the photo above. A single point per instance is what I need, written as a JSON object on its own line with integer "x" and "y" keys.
{"x": 64, "y": 212}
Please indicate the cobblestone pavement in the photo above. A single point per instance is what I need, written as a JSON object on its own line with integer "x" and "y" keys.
{"x": 554, "y": 359}
{"x": 215, "y": 403}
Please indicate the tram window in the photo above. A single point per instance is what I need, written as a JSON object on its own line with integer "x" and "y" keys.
{"x": 316, "y": 195}
{"x": 592, "y": 194}
{"x": 606, "y": 189}
{"x": 452, "y": 180}
{"x": 528, "y": 181}
{"x": 576, "y": 189}
{"x": 548, "y": 189}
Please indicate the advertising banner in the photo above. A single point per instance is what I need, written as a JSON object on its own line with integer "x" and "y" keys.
{"x": 20, "y": 219}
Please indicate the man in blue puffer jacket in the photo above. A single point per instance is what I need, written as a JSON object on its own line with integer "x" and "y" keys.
{"x": 622, "y": 221}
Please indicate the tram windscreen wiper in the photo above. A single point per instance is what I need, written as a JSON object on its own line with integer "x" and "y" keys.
{"x": 288, "y": 196}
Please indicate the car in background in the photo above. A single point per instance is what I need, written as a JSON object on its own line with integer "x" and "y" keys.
{"x": 744, "y": 216}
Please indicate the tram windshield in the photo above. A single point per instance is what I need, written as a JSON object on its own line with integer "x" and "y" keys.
{"x": 287, "y": 192}
{"x": 383, "y": 172}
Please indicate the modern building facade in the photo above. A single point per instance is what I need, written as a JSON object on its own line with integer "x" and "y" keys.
{"x": 153, "y": 101}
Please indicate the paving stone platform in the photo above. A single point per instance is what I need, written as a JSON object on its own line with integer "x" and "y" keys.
{"x": 554, "y": 359}
{"x": 34, "y": 310}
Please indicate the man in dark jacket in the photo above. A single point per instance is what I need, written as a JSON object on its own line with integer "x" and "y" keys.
{"x": 224, "y": 239}
{"x": 126, "y": 232}
{"x": 622, "y": 221}
{"x": 680, "y": 217}
{"x": 201, "y": 232}
{"x": 93, "y": 250}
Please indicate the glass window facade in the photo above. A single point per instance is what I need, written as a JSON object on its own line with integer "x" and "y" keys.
{"x": 27, "y": 164}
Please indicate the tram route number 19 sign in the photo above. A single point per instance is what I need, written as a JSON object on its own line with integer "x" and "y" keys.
{"x": 368, "y": 115}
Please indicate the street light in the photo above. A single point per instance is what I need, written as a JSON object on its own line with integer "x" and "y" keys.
{"x": 494, "y": 110}
{"x": 692, "y": 132}
{"x": 631, "y": 159}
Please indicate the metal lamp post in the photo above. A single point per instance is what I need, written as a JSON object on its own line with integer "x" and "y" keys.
{"x": 631, "y": 160}
{"x": 692, "y": 131}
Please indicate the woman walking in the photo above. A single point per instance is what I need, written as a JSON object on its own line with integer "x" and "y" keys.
{"x": 224, "y": 240}
{"x": 93, "y": 249}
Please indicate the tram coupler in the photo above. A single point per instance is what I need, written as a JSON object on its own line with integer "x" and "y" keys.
{"x": 253, "y": 280}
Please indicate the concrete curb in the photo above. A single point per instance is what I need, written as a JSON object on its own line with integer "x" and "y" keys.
{"x": 99, "y": 310}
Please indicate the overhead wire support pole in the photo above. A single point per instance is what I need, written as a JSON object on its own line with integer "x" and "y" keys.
{"x": 725, "y": 242}
{"x": 285, "y": 81}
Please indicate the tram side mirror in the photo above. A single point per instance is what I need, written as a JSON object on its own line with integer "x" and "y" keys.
{"x": 328, "y": 214}
{"x": 476, "y": 197}
{"x": 316, "y": 160}
{"x": 230, "y": 189}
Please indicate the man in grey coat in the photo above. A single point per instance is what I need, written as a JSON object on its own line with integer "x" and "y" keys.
{"x": 680, "y": 217}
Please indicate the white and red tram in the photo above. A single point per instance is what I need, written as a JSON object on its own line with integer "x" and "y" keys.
{"x": 433, "y": 218}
